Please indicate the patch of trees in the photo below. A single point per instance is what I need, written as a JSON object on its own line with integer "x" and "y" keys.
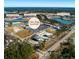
{"x": 66, "y": 51}
{"x": 18, "y": 51}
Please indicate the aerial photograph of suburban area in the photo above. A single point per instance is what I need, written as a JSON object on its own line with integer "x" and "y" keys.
{"x": 53, "y": 39}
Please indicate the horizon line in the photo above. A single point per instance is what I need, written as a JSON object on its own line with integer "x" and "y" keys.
{"x": 45, "y": 6}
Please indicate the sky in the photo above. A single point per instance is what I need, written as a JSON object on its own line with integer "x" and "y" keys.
{"x": 39, "y": 3}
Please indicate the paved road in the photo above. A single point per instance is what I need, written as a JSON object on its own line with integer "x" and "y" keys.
{"x": 45, "y": 54}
